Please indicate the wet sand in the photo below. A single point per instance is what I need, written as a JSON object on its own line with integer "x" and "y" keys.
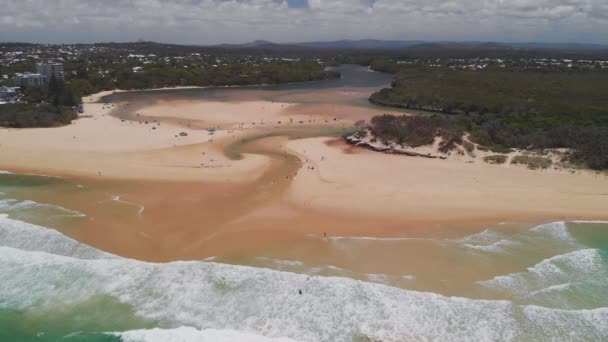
{"x": 247, "y": 190}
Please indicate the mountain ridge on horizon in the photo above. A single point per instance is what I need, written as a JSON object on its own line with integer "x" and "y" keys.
{"x": 397, "y": 44}
{"x": 365, "y": 44}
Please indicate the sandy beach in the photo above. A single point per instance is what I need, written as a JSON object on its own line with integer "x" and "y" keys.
{"x": 123, "y": 149}
{"x": 199, "y": 202}
{"x": 418, "y": 188}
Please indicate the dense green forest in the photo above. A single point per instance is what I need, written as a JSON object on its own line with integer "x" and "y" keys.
{"x": 43, "y": 106}
{"x": 507, "y": 108}
{"x": 225, "y": 75}
{"x": 22, "y": 115}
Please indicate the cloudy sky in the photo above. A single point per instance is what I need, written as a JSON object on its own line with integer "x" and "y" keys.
{"x": 236, "y": 21}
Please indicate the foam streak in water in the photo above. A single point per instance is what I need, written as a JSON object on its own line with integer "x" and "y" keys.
{"x": 141, "y": 208}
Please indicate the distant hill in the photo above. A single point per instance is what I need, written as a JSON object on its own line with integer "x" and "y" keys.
{"x": 361, "y": 44}
{"x": 376, "y": 44}
{"x": 563, "y": 46}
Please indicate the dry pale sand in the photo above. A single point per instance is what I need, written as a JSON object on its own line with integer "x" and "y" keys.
{"x": 231, "y": 115}
{"x": 418, "y": 188}
{"x": 99, "y": 142}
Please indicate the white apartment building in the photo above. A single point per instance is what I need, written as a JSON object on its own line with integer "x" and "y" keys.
{"x": 29, "y": 79}
{"x": 50, "y": 70}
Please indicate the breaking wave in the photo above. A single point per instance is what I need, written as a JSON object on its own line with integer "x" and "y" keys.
{"x": 29, "y": 237}
{"x": 10, "y": 205}
{"x": 553, "y": 281}
{"x": 495, "y": 242}
{"x": 40, "y": 268}
{"x": 188, "y": 334}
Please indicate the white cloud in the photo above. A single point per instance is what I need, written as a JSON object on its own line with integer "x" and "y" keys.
{"x": 215, "y": 21}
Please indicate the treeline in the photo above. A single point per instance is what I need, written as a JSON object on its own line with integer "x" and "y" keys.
{"x": 504, "y": 108}
{"x": 27, "y": 115}
{"x": 589, "y": 144}
{"x": 57, "y": 93}
{"x": 43, "y": 106}
{"x": 530, "y": 99}
{"x": 225, "y": 75}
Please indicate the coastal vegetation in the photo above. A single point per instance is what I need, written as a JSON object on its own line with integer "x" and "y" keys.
{"x": 418, "y": 131}
{"x": 504, "y": 108}
{"x": 44, "y": 106}
{"x": 532, "y": 162}
{"x": 496, "y": 159}
{"x": 158, "y": 76}
{"x": 22, "y": 115}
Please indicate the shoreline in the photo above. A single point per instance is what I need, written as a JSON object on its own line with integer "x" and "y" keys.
{"x": 281, "y": 191}
{"x": 104, "y": 93}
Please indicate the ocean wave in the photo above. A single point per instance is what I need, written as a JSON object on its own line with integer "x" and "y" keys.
{"x": 487, "y": 237}
{"x": 490, "y": 241}
{"x": 544, "y": 283}
{"x": 552, "y": 289}
{"x": 280, "y": 262}
{"x": 188, "y": 334}
{"x": 495, "y": 247}
{"x": 266, "y": 302}
{"x": 30, "y": 237}
{"x": 558, "y": 230}
{"x": 9, "y": 205}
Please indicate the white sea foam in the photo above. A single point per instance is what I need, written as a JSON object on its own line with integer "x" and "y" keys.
{"x": 3, "y": 172}
{"x": 378, "y": 278}
{"x": 486, "y": 241}
{"x": 31, "y": 237}
{"x": 557, "y": 273}
{"x": 188, "y": 334}
{"x": 557, "y": 230}
{"x": 9, "y": 205}
{"x": 486, "y": 237}
{"x": 493, "y": 242}
{"x": 281, "y": 262}
{"x": 551, "y": 289}
{"x": 495, "y": 247}
{"x": 265, "y": 302}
